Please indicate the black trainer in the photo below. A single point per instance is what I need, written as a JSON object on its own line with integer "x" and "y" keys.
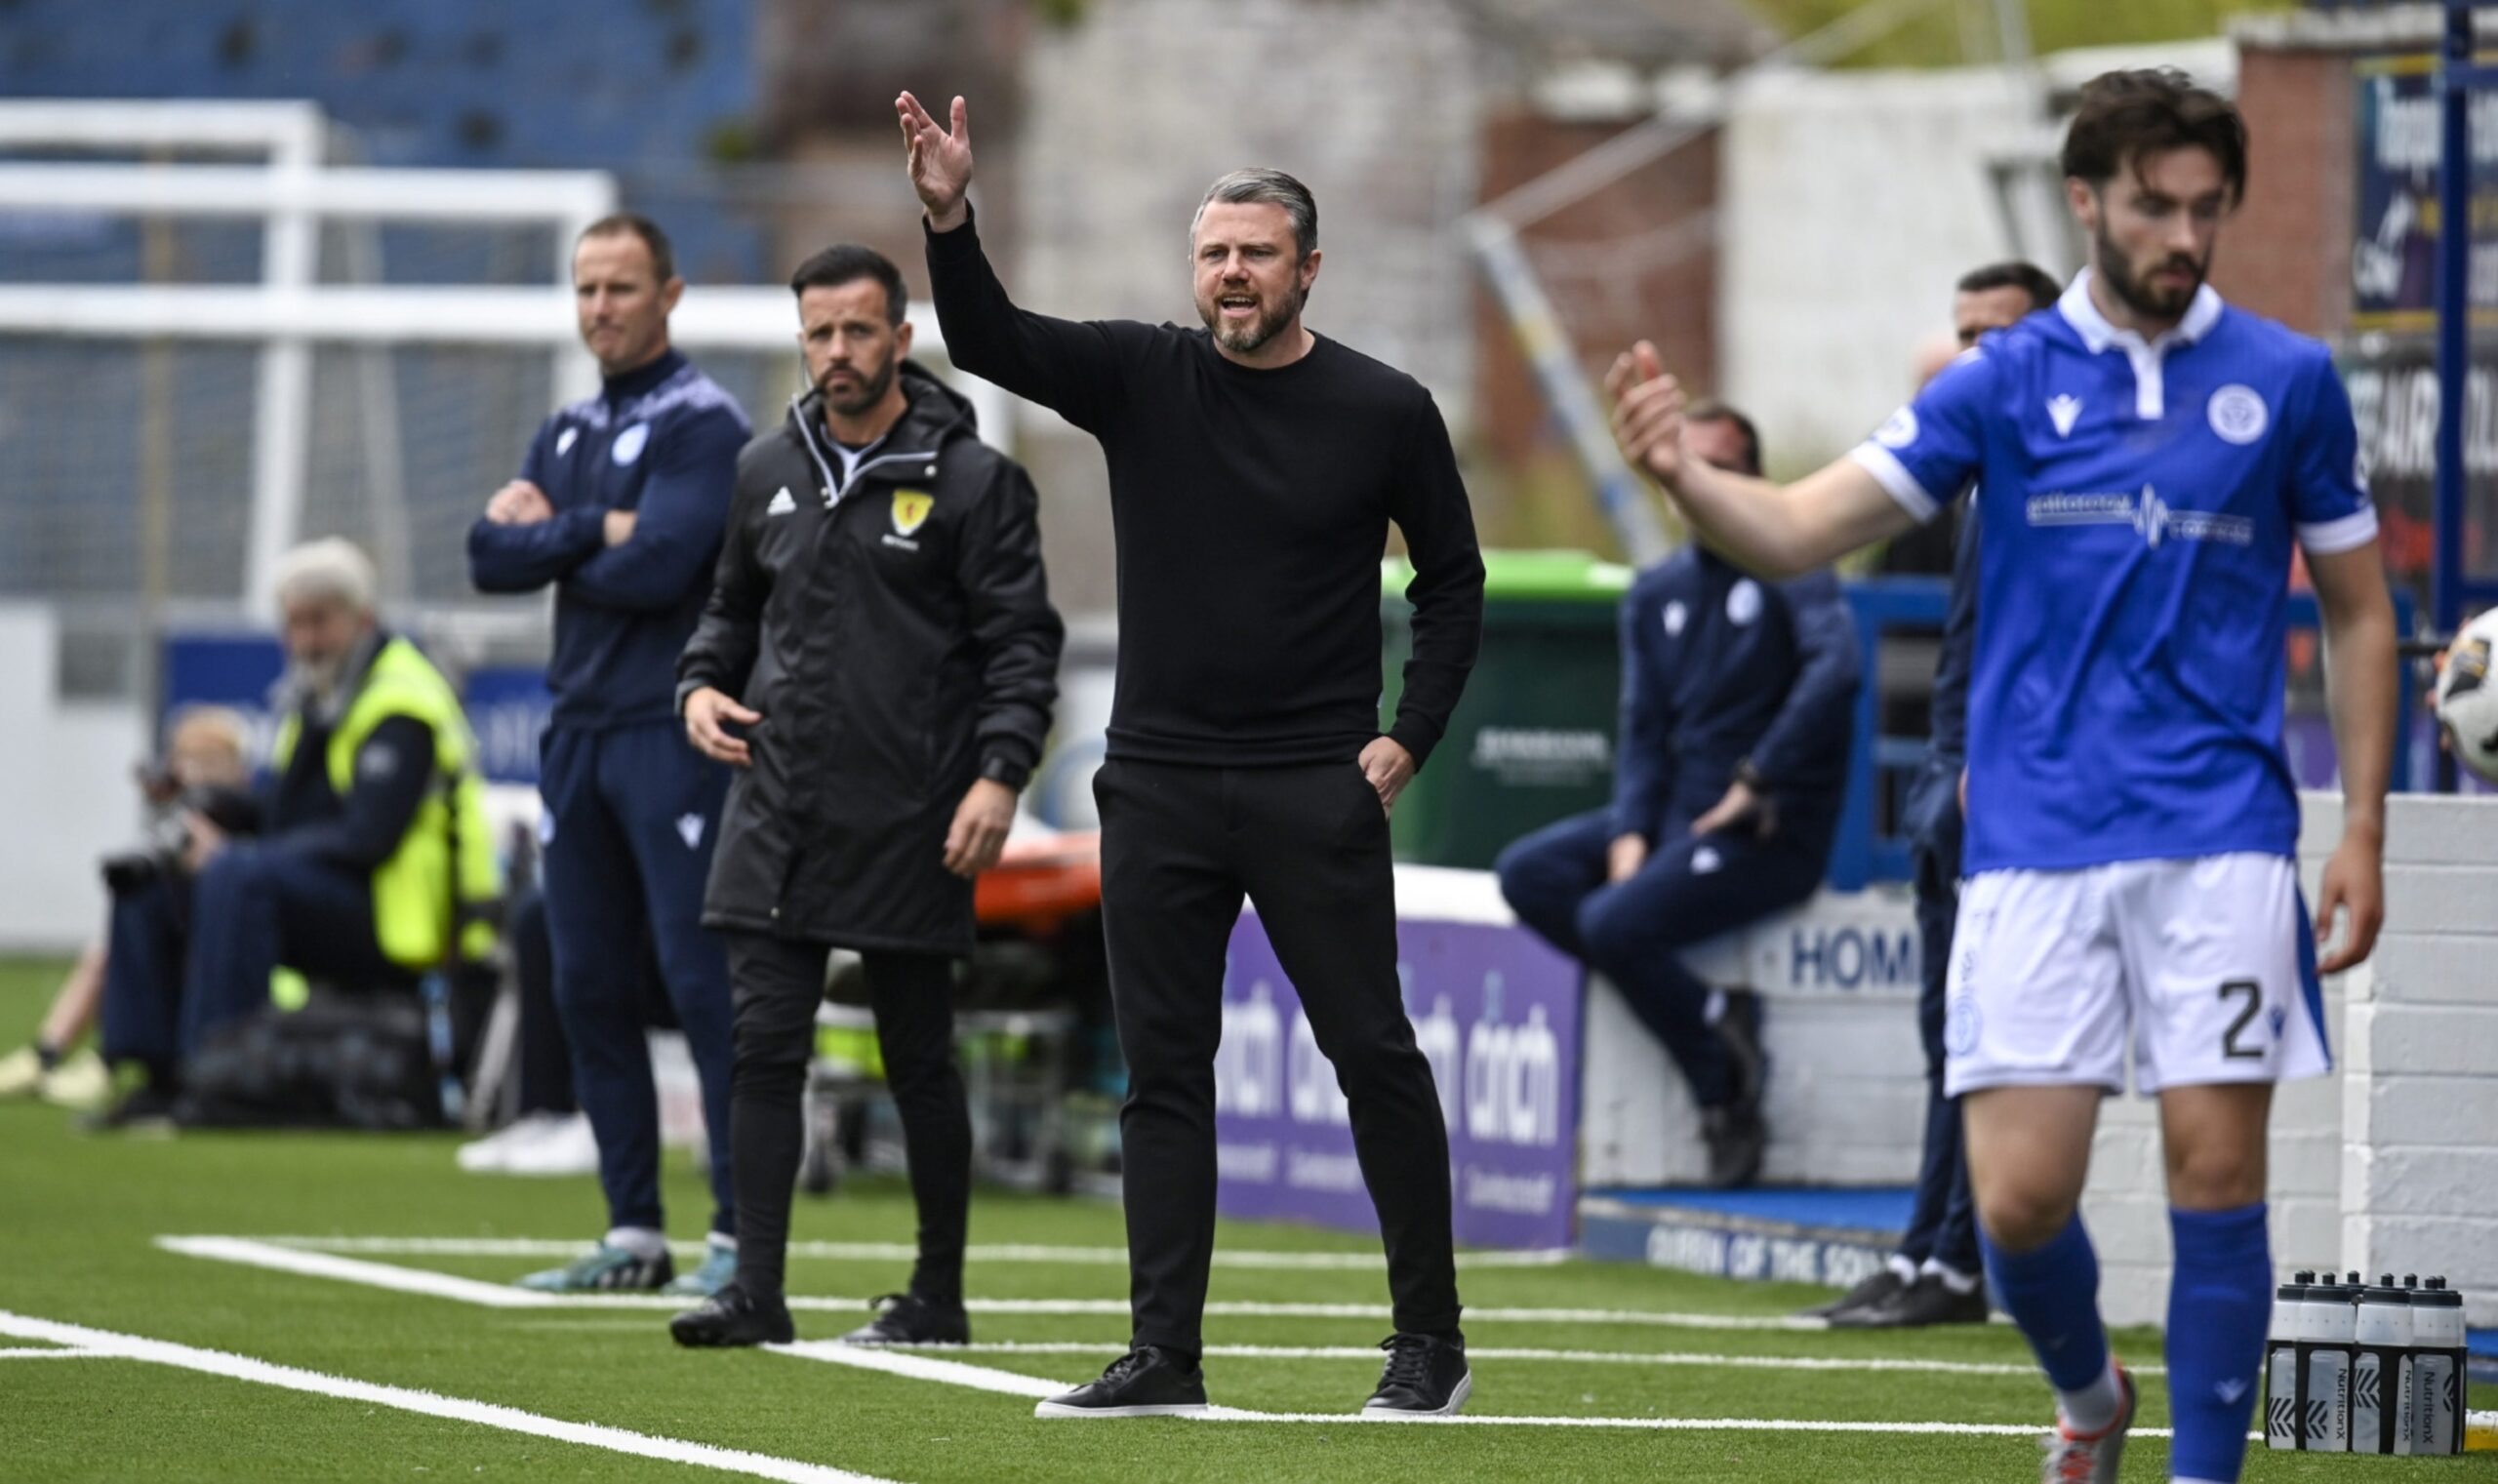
{"x": 1736, "y": 1138}
{"x": 1927, "y": 1300}
{"x": 1146, "y": 1381}
{"x": 1747, "y": 1057}
{"x": 911, "y": 1319}
{"x": 732, "y": 1317}
{"x": 1881, "y": 1287}
{"x": 1425, "y": 1376}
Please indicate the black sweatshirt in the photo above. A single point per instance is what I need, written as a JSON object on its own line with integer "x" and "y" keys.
{"x": 1251, "y": 509}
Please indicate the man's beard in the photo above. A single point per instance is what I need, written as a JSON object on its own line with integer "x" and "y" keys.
{"x": 1268, "y": 324}
{"x": 2135, "y": 290}
{"x": 313, "y": 684}
{"x": 871, "y": 389}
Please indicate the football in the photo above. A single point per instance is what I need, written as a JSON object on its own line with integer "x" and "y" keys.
{"x": 2468, "y": 695}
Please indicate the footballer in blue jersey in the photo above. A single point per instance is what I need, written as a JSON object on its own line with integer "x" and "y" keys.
{"x": 2147, "y": 461}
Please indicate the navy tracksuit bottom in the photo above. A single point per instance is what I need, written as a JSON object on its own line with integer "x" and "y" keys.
{"x": 1692, "y": 889}
{"x": 187, "y": 958}
{"x": 632, "y": 816}
{"x": 1944, "y": 1226}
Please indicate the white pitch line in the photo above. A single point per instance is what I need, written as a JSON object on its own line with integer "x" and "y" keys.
{"x": 32, "y": 1353}
{"x": 1015, "y": 1384}
{"x": 428, "y": 1403}
{"x": 903, "y": 1252}
{"x": 322, "y": 1264}
{"x": 1496, "y": 1352}
{"x": 254, "y": 1252}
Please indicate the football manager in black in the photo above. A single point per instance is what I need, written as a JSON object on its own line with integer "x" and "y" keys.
{"x": 876, "y": 660}
{"x": 1255, "y": 467}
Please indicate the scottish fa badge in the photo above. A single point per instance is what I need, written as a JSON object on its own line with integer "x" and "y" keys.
{"x": 910, "y": 510}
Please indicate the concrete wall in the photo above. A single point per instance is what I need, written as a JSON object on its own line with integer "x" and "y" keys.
{"x": 1846, "y": 1097}
{"x": 2390, "y": 1163}
{"x": 66, "y": 793}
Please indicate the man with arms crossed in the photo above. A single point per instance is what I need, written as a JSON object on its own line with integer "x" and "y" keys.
{"x": 2147, "y": 457}
{"x": 619, "y": 504}
{"x": 1255, "y": 467}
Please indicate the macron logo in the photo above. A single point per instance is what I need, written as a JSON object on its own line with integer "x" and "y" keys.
{"x": 2231, "y": 1390}
{"x": 2064, "y": 409}
{"x": 782, "y": 503}
{"x": 690, "y": 826}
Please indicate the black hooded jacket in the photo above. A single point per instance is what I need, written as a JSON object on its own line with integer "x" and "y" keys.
{"x": 896, "y": 635}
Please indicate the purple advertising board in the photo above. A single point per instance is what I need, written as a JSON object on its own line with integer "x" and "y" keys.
{"x": 1497, "y": 1012}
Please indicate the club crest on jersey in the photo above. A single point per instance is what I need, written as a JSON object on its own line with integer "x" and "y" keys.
{"x": 2238, "y": 414}
{"x": 628, "y": 444}
{"x": 910, "y": 510}
{"x": 1743, "y": 602}
{"x": 2064, "y": 409}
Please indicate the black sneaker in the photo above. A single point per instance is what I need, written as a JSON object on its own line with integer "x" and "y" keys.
{"x": 147, "y": 1109}
{"x": 1737, "y": 1139}
{"x": 1927, "y": 1300}
{"x": 1881, "y": 1287}
{"x": 1425, "y": 1376}
{"x": 1738, "y": 1027}
{"x": 910, "y": 1319}
{"x": 732, "y": 1317}
{"x": 1146, "y": 1381}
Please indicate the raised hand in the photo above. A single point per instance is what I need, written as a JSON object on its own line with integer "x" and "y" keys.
{"x": 940, "y": 160}
{"x": 1647, "y": 412}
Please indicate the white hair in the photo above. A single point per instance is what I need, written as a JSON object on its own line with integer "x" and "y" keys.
{"x": 331, "y": 568}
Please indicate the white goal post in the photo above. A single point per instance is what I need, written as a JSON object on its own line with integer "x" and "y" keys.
{"x": 288, "y": 185}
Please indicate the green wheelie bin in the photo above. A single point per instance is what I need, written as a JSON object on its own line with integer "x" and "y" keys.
{"x": 1532, "y": 741}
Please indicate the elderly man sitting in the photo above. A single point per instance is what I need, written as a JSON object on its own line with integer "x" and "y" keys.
{"x": 375, "y": 861}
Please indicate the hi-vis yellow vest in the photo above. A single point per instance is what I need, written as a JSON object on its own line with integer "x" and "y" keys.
{"x": 422, "y": 895}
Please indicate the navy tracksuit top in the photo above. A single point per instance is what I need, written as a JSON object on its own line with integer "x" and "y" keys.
{"x": 1717, "y": 667}
{"x": 661, "y": 440}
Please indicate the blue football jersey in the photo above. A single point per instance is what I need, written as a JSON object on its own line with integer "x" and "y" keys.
{"x": 2139, "y": 503}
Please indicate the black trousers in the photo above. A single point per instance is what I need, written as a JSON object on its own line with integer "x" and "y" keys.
{"x": 1309, "y": 845}
{"x": 776, "y": 982}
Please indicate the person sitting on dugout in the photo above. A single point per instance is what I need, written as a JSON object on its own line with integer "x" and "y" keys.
{"x": 374, "y": 860}
{"x": 1737, "y": 700}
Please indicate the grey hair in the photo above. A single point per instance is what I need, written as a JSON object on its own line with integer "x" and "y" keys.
{"x": 332, "y": 568}
{"x": 1271, "y": 187}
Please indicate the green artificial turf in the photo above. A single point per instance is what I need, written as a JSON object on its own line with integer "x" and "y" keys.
{"x": 78, "y": 1214}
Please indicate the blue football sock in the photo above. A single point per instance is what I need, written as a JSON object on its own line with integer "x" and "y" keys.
{"x": 2219, "y": 1304}
{"x": 2053, "y": 1294}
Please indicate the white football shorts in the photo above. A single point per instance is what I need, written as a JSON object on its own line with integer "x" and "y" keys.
{"x": 2207, "y": 965}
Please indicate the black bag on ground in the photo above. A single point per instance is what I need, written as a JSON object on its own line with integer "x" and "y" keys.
{"x": 344, "y": 1061}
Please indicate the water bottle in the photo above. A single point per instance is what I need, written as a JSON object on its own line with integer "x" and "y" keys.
{"x": 2281, "y": 1362}
{"x": 2325, "y": 1335}
{"x": 2381, "y": 1331}
{"x": 2437, "y": 1364}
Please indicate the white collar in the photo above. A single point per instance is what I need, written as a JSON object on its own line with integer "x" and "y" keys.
{"x": 2099, "y": 334}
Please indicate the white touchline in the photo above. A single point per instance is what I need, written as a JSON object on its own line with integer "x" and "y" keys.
{"x": 31, "y": 1353}
{"x": 1014, "y": 1383}
{"x": 255, "y": 1253}
{"x": 322, "y": 1264}
{"x": 165, "y": 1352}
{"x": 903, "y": 1252}
{"x": 1370, "y": 1352}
